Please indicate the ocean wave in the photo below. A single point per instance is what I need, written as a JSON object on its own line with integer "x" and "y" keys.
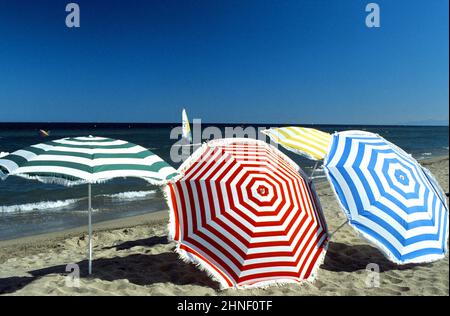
{"x": 43, "y": 205}
{"x": 130, "y": 195}
{"x": 55, "y": 205}
{"x": 426, "y": 154}
{"x": 445, "y": 147}
{"x": 3, "y": 154}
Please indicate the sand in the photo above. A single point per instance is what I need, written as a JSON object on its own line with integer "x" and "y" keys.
{"x": 133, "y": 257}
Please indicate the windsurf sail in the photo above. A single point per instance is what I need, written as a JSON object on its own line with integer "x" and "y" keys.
{"x": 186, "y": 128}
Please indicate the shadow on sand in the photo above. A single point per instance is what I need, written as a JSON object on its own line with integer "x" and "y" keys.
{"x": 147, "y": 242}
{"x": 139, "y": 269}
{"x": 345, "y": 258}
{"x": 147, "y": 269}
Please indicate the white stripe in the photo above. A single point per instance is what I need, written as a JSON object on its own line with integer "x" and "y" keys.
{"x": 100, "y": 144}
{"x": 131, "y": 150}
{"x": 8, "y": 164}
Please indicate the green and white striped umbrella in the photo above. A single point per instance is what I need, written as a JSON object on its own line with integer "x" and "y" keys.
{"x": 76, "y": 160}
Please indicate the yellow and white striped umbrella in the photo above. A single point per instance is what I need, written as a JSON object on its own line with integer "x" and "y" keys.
{"x": 308, "y": 142}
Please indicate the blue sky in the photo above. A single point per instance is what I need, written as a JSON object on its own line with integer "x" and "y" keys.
{"x": 227, "y": 61}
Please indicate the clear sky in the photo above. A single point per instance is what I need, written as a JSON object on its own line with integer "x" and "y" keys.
{"x": 225, "y": 60}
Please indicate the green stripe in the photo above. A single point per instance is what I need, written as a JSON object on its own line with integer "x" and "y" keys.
{"x": 68, "y": 164}
{"x": 35, "y": 150}
{"x": 170, "y": 176}
{"x": 126, "y": 145}
{"x": 160, "y": 164}
{"x": 19, "y": 160}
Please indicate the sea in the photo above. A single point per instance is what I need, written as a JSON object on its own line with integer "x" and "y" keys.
{"x": 29, "y": 207}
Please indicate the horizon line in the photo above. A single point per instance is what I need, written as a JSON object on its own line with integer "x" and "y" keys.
{"x": 231, "y": 123}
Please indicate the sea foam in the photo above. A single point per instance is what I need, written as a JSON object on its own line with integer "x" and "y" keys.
{"x": 43, "y": 205}
{"x": 54, "y": 205}
{"x": 130, "y": 195}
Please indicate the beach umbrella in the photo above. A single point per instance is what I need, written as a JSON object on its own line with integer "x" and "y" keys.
{"x": 246, "y": 213}
{"x": 388, "y": 197}
{"x": 308, "y": 142}
{"x": 77, "y": 160}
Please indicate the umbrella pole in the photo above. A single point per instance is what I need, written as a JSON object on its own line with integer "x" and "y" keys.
{"x": 314, "y": 170}
{"x": 90, "y": 229}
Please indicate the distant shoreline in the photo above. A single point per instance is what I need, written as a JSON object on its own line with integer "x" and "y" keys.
{"x": 138, "y": 220}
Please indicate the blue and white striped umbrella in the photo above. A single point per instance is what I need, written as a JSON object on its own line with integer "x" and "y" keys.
{"x": 388, "y": 197}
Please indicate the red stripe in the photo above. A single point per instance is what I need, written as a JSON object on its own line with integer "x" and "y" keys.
{"x": 192, "y": 251}
{"x": 318, "y": 252}
{"x": 174, "y": 212}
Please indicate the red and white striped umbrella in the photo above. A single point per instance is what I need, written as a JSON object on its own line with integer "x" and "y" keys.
{"x": 246, "y": 213}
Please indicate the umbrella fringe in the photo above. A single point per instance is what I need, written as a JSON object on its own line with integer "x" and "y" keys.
{"x": 70, "y": 183}
{"x": 189, "y": 258}
{"x": 171, "y": 225}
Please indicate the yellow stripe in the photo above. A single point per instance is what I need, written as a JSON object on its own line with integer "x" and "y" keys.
{"x": 307, "y": 134}
{"x": 318, "y": 135}
{"x": 302, "y": 146}
{"x": 307, "y": 140}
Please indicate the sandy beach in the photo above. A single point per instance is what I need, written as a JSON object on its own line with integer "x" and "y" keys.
{"x": 134, "y": 257}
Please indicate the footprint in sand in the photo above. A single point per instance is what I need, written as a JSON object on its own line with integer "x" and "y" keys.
{"x": 393, "y": 279}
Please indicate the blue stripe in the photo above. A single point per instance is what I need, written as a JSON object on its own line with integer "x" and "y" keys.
{"x": 387, "y": 195}
{"x": 384, "y": 208}
{"x": 444, "y": 229}
{"x": 332, "y": 151}
{"x": 385, "y": 168}
{"x": 340, "y": 193}
{"x": 369, "y": 232}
